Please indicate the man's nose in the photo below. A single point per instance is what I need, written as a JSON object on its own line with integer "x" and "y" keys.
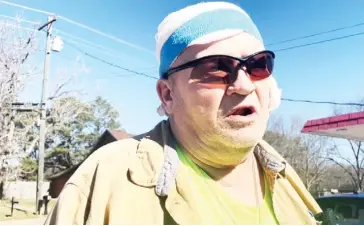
{"x": 242, "y": 85}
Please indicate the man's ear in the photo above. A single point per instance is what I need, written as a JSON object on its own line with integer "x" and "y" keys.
{"x": 275, "y": 94}
{"x": 164, "y": 90}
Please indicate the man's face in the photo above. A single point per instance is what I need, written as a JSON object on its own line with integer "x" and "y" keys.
{"x": 235, "y": 116}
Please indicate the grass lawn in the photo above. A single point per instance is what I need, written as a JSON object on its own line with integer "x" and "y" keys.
{"x": 23, "y": 210}
{"x": 17, "y": 214}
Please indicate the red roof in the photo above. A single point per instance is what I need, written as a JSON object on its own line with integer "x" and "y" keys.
{"x": 119, "y": 134}
{"x": 348, "y": 126}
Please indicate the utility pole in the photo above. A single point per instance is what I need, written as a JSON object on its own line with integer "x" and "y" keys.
{"x": 42, "y": 123}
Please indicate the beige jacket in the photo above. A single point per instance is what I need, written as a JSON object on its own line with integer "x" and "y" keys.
{"x": 133, "y": 181}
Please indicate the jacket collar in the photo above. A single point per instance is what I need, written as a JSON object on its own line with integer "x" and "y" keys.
{"x": 156, "y": 160}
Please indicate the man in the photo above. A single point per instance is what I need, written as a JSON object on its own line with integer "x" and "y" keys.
{"x": 206, "y": 164}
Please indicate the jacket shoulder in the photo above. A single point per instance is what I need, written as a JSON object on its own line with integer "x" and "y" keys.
{"x": 107, "y": 162}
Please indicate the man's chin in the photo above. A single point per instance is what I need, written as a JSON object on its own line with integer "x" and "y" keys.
{"x": 245, "y": 136}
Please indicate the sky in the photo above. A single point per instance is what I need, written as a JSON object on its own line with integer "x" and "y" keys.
{"x": 330, "y": 71}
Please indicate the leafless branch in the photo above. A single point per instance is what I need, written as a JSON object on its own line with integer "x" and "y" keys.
{"x": 19, "y": 131}
{"x": 345, "y": 169}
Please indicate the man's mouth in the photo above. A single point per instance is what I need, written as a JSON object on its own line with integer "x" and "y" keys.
{"x": 242, "y": 111}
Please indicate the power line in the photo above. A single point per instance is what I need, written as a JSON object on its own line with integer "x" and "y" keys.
{"x": 109, "y": 63}
{"x": 148, "y": 76}
{"x": 146, "y": 50}
{"x": 145, "y": 75}
{"x": 28, "y": 40}
{"x": 84, "y": 41}
{"x": 319, "y": 42}
{"x": 18, "y": 19}
{"x": 20, "y": 46}
{"x": 106, "y": 35}
{"x": 92, "y": 44}
{"x": 77, "y": 38}
{"x": 82, "y": 26}
{"x": 141, "y": 48}
{"x": 17, "y": 26}
{"x": 27, "y": 8}
{"x": 323, "y": 102}
{"x": 315, "y": 34}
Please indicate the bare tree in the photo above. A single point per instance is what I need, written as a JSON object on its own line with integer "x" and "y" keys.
{"x": 352, "y": 165}
{"x": 306, "y": 154}
{"x": 334, "y": 178}
{"x": 19, "y": 132}
{"x": 63, "y": 107}
{"x": 314, "y": 164}
{"x": 16, "y": 46}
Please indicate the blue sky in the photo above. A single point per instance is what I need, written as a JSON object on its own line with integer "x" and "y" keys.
{"x": 333, "y": 71}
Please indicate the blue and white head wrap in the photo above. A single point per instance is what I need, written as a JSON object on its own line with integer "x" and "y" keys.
{"x": 199, "y": 24}
{"x": 203, "y": 23}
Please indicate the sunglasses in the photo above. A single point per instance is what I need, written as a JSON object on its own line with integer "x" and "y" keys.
{"x": 223, "y": 69}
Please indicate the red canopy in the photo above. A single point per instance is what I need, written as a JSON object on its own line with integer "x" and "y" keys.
{"x": 347, "y": 126}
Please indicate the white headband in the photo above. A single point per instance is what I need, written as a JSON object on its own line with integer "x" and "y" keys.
{"x": 199, "y": 24}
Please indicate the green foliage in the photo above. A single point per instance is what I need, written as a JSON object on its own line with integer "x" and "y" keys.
{"x": 57, "y": 160}
{"x": 71, "y": 143}
{"x": 28, "y": 169}
{"x": 104, "y": 116}
{"x": 73, "y": 129}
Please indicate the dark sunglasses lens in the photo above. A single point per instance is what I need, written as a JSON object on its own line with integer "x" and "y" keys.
{"x": 214, "y": 70}
{"x": 261, "y": 65}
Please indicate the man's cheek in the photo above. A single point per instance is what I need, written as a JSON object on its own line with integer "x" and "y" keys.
{"x": 263, "y": 93}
